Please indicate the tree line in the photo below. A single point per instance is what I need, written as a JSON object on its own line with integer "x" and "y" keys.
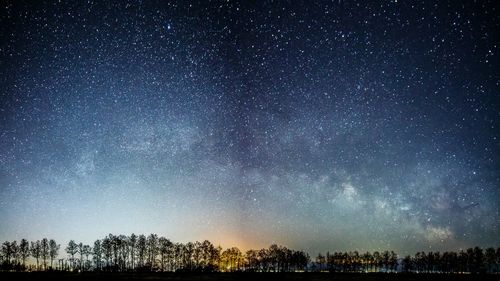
{"x": 147, "y": 253}
{"x": 14, "y": 256}
{"x": 472, "y": 260}
{"x": 140, "y": 253}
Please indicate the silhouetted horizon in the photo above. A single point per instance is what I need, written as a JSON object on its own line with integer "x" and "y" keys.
{"x": 138, "y": 253}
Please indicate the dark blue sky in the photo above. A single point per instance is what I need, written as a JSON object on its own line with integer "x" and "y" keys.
{"x": 315, "y": 124}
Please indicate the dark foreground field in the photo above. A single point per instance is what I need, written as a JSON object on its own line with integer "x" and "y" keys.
{"x": 237, "y": 276}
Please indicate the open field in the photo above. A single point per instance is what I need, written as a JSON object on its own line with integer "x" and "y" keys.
{"x": 237, "y": 276}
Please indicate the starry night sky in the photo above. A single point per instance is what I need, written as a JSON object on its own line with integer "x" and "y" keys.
{"x": 319, "y": 125}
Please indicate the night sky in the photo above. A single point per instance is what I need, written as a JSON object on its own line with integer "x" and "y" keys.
{"x": 319, "y": 125}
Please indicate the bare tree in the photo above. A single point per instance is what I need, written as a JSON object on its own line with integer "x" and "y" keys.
{"x": 252, "y": 259}
{"x": 115, "y": 244}
{"x": 320, "y": 260}
{"x": 164, "y": 247}
{"x": 152, "y": 250}
{"x": 16, "y": 254}
{"x": 86, "y": 251}
{"x": 72, "y": 250}
{"x": 132, "y": 241}
{"x": 53, "y": 251}
{"x": 24, "y": 249}
{"x": 107, "y": 251}
{"x": 478, "y": 259}
{"x": 232, "y": 259}
{"x": 124, "y": 248}
{"x": 36, "y": 250}
{"x": 7, "y": 251}
{"x": 81, "y": 252}
{"x": 97, "y": 254}
{"x": 141, "y": 250}
{"x": 44, "y": 253}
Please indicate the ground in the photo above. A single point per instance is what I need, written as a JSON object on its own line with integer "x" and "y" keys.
{"x": 237, "y": 276}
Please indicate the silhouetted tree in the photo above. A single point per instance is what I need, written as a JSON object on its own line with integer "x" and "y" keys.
{"x": 377, "y": 258}
{"x": 24, "y": 250}
{"x": 498, "y": 259}
{"x": 178, "y": 254}
{"x": 210, "y": 256}
{"x": 490, "y": 258}
{"x": 16, "y": 255}
{"x": 253, "y": 261}
{"x": 107, "y": 251}
{"x": 152, "y": 250}
{"x": 320, "y": 261}
{"x": 478, "y": 259}
{"x": 7, "y": 253}
{"x": 462, "y": 261}
{"x": 152, "y": 253}
{"x": 53, "y": 251}
{"x": 300, "y": 260}
{"x": 36, "y": 251}
{"x": 141, "y": 250}
{"x": 115, "y": 247}
{"x": 97, "y": 254}
{"x": 449, "y": 262}
{"x": 87, "y": 251}
{"x": 81, "y": 252}
{"x": 407, "y": 264}
{"x": 232, "y": 259}
{"x": 44, "y": 253}
{"x": 215, "y": 257}
{"x": 165, "y": 247}
{"x": 367, "y": 260}
{"x": 132, "y": 242}
{"x": 124, "y": 249}
{"x": 72, "y": 250}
